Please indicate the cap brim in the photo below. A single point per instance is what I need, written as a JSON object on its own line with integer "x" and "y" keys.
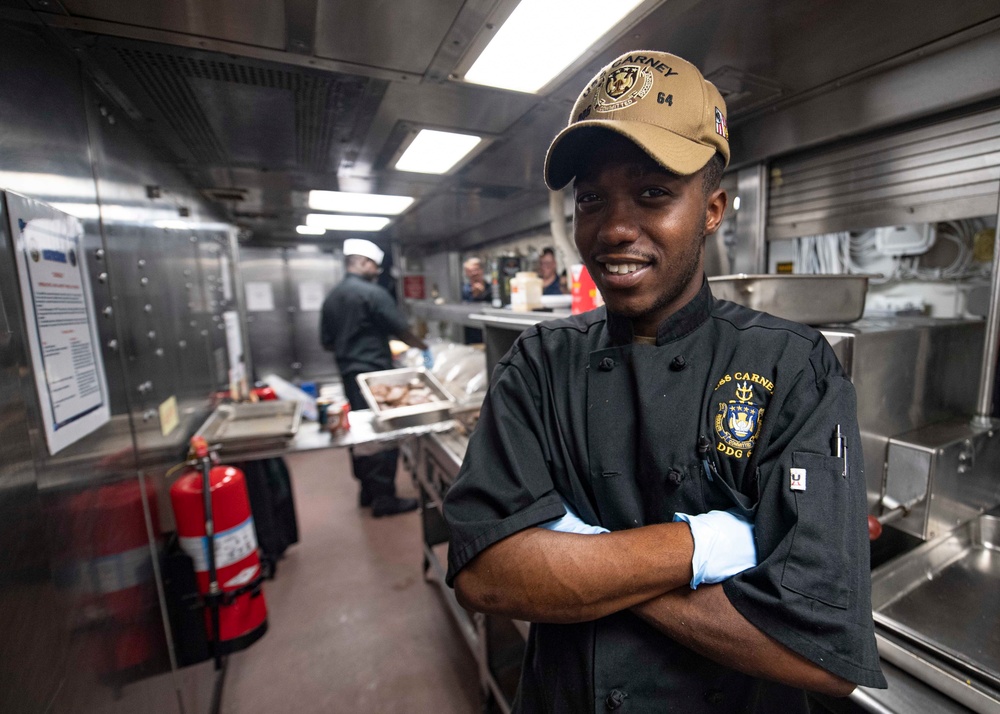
{"x": 674, "y": 152}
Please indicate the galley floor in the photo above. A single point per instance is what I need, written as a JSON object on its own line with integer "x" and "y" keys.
{"x": 353, "y": 626}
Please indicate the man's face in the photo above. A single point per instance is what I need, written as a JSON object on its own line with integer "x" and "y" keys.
{"x": 547, "y": 266}
{"x": 474, "y": 273}
{"x": 641, "y": 231}
{"x": 370, "y": 269}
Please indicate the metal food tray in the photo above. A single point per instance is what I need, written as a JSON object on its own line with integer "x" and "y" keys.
{"x": 942, "y": 599}
{"x": 252, "y": 424}
{"x": 399, "y": 417}
{"x": 809, "y": 299}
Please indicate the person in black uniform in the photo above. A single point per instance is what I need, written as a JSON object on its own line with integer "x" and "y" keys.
{"x": 668, "y": 418}
{"x": 356, "y": 320}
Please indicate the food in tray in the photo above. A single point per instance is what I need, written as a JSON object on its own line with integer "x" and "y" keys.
{"x": 466, "y": 423}
{"x": 402, "y": 395}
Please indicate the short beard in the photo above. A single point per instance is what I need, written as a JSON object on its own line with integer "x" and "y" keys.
{"x": 677, "y": 288}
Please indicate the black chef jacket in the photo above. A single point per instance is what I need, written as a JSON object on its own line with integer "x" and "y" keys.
{"x": 357, "y": 319}
{"x": 577, "y": 409}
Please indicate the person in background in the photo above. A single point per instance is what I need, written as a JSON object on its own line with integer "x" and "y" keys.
{"x": 547, "y": 272}
{"x": 661, "y": 485}
{"x": 474, "y": 289}
{"x": 356, "y": 321}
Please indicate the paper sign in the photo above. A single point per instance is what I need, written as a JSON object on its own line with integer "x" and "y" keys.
{"x": 260, "y": 297}
{"x": 168, "y": 416}
{"x": 311, "y": 296}
{"x": 60, "y": 321}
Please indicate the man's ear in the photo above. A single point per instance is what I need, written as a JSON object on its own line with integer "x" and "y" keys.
{"x": 715, "y": 210}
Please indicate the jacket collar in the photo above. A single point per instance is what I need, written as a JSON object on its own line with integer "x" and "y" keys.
{"x": 355, "y": 276}
{"x": 682, "y": 322}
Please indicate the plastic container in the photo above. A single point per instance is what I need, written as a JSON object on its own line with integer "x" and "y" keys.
{"x": 288, "y": 391}
{"x": 525, "y": 292}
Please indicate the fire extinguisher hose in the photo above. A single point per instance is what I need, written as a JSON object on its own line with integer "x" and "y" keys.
{"x": 214, "y": 591}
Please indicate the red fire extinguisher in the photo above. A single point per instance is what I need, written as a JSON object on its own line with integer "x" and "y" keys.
{"x": 211, "y": 505}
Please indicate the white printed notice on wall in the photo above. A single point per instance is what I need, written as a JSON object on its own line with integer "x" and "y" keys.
{"x": 60, "y": 320}
{"x": 260, "y": 297}
{"x": 311, "y": 296}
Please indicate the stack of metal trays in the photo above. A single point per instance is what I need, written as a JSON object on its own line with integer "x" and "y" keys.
{"x": 252, "y": 426}
{"x": 388, "y": 417}
{"x": 809, "y": 299}
{"x": 937, "y": 611}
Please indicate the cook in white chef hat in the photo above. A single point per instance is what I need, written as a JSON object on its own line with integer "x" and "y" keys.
{"x": 360, "y": 246}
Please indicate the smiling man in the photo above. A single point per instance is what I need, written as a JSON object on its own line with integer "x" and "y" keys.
{"x": 653, "y": 484}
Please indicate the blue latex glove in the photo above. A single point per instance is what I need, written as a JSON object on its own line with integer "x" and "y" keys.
{"x": 723, "y": 546}
{"x": 571, "y": 523}
{"x": 428, "y": 358}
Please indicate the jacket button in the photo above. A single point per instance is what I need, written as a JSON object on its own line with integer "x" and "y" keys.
{"x": 714, "y": 696}
{"x": 675, "y": 477}
{"x": 606, "y": 365}
{"x": 615, "y": 699}
{"x": 678, "y": 363}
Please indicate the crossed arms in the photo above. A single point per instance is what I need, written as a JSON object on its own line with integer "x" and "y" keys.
{"x": 544, "y": 576}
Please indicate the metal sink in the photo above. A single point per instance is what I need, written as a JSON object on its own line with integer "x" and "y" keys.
{"x": 941, "y": 603}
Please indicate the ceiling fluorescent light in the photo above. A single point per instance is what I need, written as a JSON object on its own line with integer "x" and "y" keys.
{"x": 310, "y": 230}
{"x": 359, "y": 202}
{"x": 436, "y": 152}
{"x": 542, "y": 38}
{"x": 336, "y": 222}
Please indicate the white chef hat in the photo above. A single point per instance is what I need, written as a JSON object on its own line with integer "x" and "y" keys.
{"x": 360, "y": 246}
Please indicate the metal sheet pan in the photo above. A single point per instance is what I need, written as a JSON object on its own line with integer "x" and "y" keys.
{"x": 809, "y": 299}
{"x": 256, "y": 424}
{"x": 941, "y": 600}
{"x": 399, "y": 417}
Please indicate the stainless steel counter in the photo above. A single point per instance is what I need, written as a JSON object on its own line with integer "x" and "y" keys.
{"x": 501, "y": 328}
{"x": 906, "y": 695}
{"x": 455, "y": 313}
{"x": 511, "y": 318}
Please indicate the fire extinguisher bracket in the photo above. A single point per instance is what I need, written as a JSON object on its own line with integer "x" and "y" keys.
{"x": 228, "y": 597}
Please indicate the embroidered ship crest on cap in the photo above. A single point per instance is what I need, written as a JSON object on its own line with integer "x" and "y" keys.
{"x": 625, "y": 86}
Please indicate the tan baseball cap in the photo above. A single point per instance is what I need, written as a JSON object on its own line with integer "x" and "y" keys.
{"x": 659, "y": 101}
